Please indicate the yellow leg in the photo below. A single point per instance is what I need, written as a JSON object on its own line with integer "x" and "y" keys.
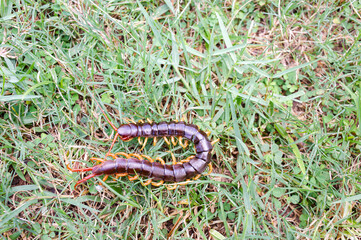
{"x": 147, "y": 182}
{"x": 174, "y": 161}
{"x": 171, "y": 187}
{"x": 145, "y": 143}
{"x": 184, "y": 183}
{"x": 140, "y": 141}
{"x": 185, "y": 144}
{"x": 210, "y": 169}
{"x": 96, "y": 159}
{"x": 136, "y": 155}
{"x": 154, "y": 141}
{"x": 166, "y": 140}
{"x": 122, "y": 154}
{"x": 197, "y": 176}
{"x": 173, "y": 140}
{"x": 148, "y": 158}
{"x": 128, "y": 120}
{"x": 105, "y": 178}
{"x": 158, "y": 183}
{"x": 130, "y": 139}
{"x": 132, "y": 178}
{"x": 215, "y": 141}
{"x": 160, "y": 160}
{"x": 187, "y": 159}
{"x": 118, "y": 175}
{"x": 112, "y": 155}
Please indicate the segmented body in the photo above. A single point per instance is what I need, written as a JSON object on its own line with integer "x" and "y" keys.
{"x": 155, "y": 170}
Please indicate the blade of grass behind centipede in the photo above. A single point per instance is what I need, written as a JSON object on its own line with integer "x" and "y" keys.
{"x": 155, "y": 29}
{"x": 237, "y": 134}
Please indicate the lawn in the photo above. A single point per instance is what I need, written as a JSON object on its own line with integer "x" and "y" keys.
{"x": 277, "y": 83}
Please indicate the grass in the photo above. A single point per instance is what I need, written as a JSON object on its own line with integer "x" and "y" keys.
{"x": 278, "y": 83}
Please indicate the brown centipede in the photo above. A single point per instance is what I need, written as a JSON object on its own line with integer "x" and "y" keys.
{"x": 177, "y": 172}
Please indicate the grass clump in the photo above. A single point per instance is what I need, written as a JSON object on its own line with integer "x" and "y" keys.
{"x": 277, "y": 83}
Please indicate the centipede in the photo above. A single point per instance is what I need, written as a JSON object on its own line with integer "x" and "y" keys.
{"x": 141, "y": 165}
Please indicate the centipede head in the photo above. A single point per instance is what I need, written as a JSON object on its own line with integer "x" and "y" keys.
{"x": 127, "y": 131}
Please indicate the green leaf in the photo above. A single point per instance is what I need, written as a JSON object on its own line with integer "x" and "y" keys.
{"x": 35, "y": 86}
{"x": 298, "y": 155}
{"x": 293, "y": 146}
{"x": 195, "y": 52}
{"x": 20, "y": 174}
{"x": 349, "y": 199}
{"x": 240, "y": 144}
{"x": 217, "y": 235}
{"x": 278, "y": 192}
{"x": 295, "y": 199}
{"x": 17, "y": 97}
{"x": 23, "y": 188}
{"x": 170, "y": 6}
{"x": 79, "y": 204}
{"x": 259, "y": 71}
{"x": 225, "y": 35}
{"x": 278, "y": 157}
{"x": 228, "y": 50}
{"x": 277, "y": 203}
{"x": 151, "y": 23}
{"x": 290, "y": 97}
{"x": 278, "y": 75}
{"x": 231, "y": 215}
{"x": 15, "y": 235}
{"x": 10, "y": 215}
{"x": 265, "y": 147}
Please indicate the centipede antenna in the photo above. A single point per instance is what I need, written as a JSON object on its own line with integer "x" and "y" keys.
{"x": 101, "y": 109}
{"x": 111, "y": 147}
{"x": 105, "y": 115}
{"x": 79, "y": 170}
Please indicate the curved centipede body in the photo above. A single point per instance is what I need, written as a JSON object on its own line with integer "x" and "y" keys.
{"x": 179, "y": 172}
{"x": 167, "y": 129}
